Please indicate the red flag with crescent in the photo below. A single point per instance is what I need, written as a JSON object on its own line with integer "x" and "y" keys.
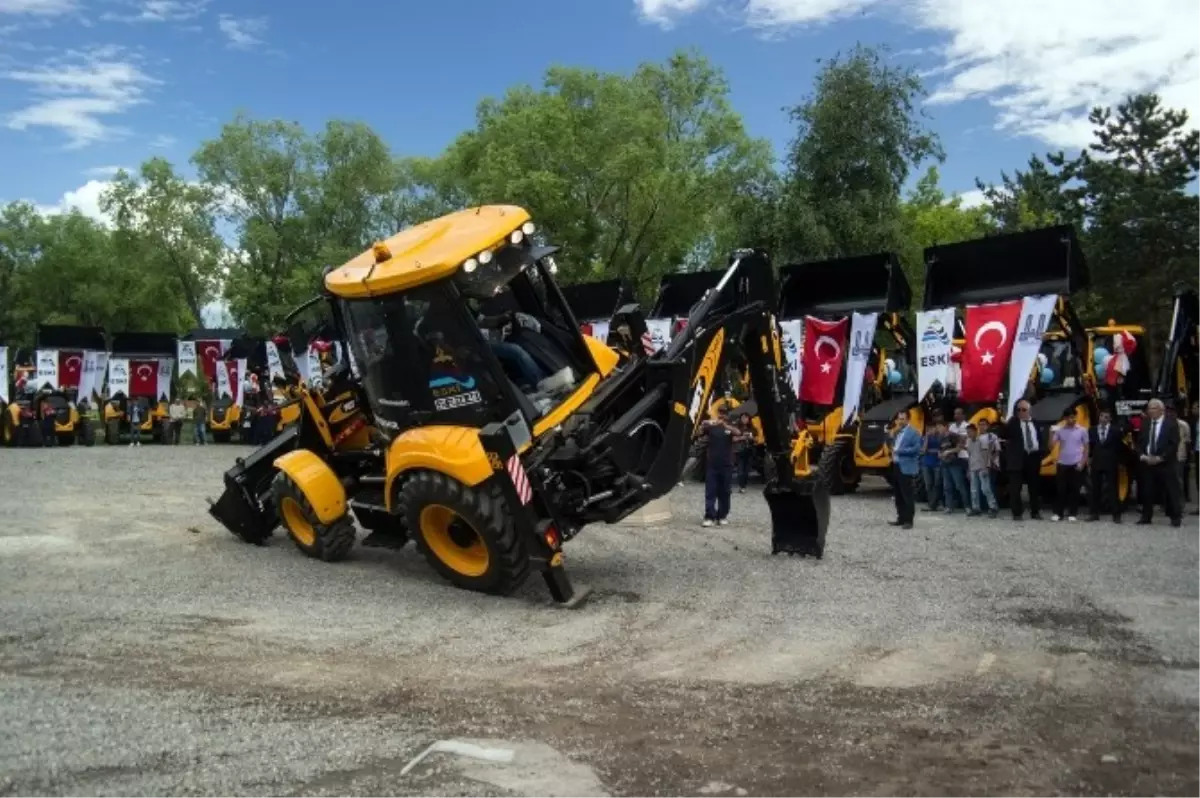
{"x": 990, "y": 330}
{"x": 143, "y": 378}
{"x": 70, "y": 368}
{"x": 821, "y": 364}
{"x": 208, "y": 353}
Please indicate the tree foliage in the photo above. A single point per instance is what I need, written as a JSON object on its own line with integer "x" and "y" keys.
{"x": 633, "y": 175}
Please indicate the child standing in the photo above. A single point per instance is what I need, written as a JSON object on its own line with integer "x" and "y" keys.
{"x": 931, "y": 472}
{"x": 980, "y": 450}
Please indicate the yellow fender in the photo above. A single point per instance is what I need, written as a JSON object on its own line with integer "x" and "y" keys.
{"x": 444, "y": 449}
{"x": 317, "y": 482}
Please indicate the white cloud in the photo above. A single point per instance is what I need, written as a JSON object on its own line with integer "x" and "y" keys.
{"x": 159, "y": 11}
{"x": 46, "y": 8}
{"x": 162, "y": 142}
{"x": 74, "y": 94}
{"x": 86, "y": 199}
{"x": 242, "y": 32}
{"x": 104, "y": 171}
{"x": 971, "y": 198}
{"x": 1041, "y": 64}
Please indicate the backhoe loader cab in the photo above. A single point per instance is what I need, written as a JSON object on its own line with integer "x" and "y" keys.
{"x": 1010, "y": 267}
{"x": 142, "y": 352}
{"x": 494, "y": 439}
{"x": 834, "y": 289}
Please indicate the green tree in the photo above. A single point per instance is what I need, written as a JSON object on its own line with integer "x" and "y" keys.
{"x": 20, "y": 243}
{"x": 168, "y": 227}
{"x": 931, "y": 218}
{"x": 629, "y": 174}
{"x": 858, "y": 135}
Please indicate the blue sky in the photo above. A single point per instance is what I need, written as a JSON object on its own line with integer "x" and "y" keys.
{"x": 90, "y": 85}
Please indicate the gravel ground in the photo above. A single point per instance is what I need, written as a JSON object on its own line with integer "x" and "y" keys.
{"x": 145, "y": 651}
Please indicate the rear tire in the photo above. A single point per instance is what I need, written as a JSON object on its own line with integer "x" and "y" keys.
{"x": 112, "y": 433}
{"x": 329, "y": 542}
{"x": 465, "y": 533}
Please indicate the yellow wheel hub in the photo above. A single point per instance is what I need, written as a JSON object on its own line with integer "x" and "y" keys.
{"x": 297, "y": 524}
{"x": 454, "y": 541}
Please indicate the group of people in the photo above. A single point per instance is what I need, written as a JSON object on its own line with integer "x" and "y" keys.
{"x": 959, "y": 463}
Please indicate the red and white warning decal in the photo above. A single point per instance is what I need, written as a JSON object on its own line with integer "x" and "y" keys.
{"x": 516, "y": 473}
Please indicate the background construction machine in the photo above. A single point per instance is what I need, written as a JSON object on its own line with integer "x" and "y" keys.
{"x": 1010, "y": 267}
{"x": 143, "y": 351}
{"x": 834, "y": 289}
{"x": 70, "y": 342}
{"x": 488, "y": 478}
{"x": 19, "y": 425}
{"x": 1178, "y": 370}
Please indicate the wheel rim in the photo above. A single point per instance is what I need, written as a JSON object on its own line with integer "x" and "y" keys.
{"x": 454, "y": 541}
{"x": 297, "y": 524}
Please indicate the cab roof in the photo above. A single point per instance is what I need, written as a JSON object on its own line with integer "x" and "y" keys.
{"x": 426, "y": 253}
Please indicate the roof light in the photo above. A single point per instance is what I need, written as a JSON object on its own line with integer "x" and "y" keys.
{"x": 516, "y": 236}
{"x": 485, "y": 257}
{"x": 382, "y": 253}
{"x": 528, "y": 228}
{"x": 470, "y": 265}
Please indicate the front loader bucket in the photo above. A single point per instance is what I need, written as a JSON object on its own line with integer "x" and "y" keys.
{"x": 597, "y": 301}
{"x": 244, "y": 508}
{"x": 1005, "y": 267}
{"x": 799, "y": 517}
{"x": 865, "y": 284}
{"x": 241, "y": 515}
{"x": 678, "y": 292}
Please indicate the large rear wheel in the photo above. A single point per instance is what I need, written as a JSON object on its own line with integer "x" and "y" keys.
{"x": 465, "y": 533}
{"x": 329, "y": 542}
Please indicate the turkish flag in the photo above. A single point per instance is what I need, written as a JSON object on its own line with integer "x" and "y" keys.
{"x": 990, "y": 330}
{"x": 680, "y": 326}
{"x": 821, "y": 364}
{"x": 208, "y": 353}
{"x": 143, "y": 378}
{"x": 70, "y": 367}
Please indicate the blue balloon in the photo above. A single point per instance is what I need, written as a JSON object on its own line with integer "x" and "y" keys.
{"x": 1099, "y": 355}
{"x": 894, "y": 377}
{"x": 1047, "y": 375}
{"x": 1100, "y": 371}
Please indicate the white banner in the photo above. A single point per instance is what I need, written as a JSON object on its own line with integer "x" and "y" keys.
{"x": 225, "y": 344}
{"x": 101, "y": 371}
{"x": 862, "y": 338}
{"x": 223, "y": 387}
{"x": 791, "y": 338}
{"x": 935, "y": 330}
{"x": 660, "y": 334}
{"x": 3, "y": 375}
{"x": 241, "y": 381}
{"x": 1036, "y": 312}
{"x": 165, "y": 366}
{"x": 600, "y": 331}
{"x": 118, "y": 377}
{"x": 187, "y": 359}
{"x": 46, "y": 370}
{"x": 274, "y": 362}
{"x": 87, "y": 375}
{"x": 312, "y": 367}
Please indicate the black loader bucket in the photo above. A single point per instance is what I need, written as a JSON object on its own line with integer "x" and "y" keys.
{"x": 59, "y": 336}
{"x": 680, "y": 291}
{"x": 1005, "y": 267}
{"x": 144, "y": 343}
{"x": 244, "y": 508}
{"x": 597, "y": 301}
{"x": 799, "y": 516}
{"x": 865, "y": 284}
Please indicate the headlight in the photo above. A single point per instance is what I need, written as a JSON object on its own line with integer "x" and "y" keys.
{"x": 470, "y": 265}
{"x": 528, "y": 228}
{"x": 485, "y": 257}
{"x": 516, "y": 236}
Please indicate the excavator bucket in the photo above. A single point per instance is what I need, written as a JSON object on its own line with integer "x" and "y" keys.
{"x": 597, "y": 301}
{"x": 799, "y": 517}
{"x": 1005, "y": 267}
{"x": 866, "y": 284}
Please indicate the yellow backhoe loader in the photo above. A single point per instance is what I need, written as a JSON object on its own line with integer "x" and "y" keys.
{"x": 490, "y": 463}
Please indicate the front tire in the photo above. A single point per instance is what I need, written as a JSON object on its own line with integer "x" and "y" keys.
{"x": 329, "y": 542}
{"x": 465, "y": 534}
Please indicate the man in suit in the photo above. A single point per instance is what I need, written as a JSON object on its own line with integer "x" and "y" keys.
{"x": 906, "y": 455}
{"x": 1158, "y": 452}
{"x": 1104, "y": 449}
{"x": 1023, "y": 461}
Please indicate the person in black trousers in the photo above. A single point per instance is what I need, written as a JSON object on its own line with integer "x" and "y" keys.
{"x": 1104, "y": 449}
{"x": 1158, "y": 451}
{"x": 1023, "y": 461}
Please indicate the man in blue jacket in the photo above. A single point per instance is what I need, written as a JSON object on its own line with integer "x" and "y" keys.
{"x": 906, "y": 455}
